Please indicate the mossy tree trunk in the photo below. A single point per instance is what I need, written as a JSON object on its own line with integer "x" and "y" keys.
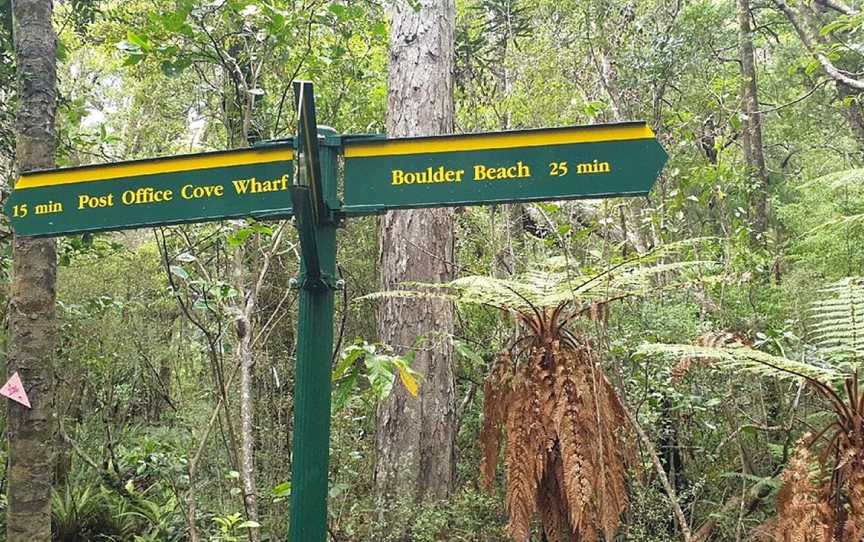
{"x": 415, "y": 440}
{"x": 31, "y": 311}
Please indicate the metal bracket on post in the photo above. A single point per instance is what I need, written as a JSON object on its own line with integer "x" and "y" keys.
{"x": 324, "y": 282}
{"x": 304, "y": 216}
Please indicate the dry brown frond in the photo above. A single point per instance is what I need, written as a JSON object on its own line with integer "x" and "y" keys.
{"x": 552, "y": 502}
{"x": 566, "y": 457}
{"x": 496, "y": 393}
{"x": 855, "y": 490}
{"x": 804, "y": 512}
{"x": 712, "y": 339}
{"x": 521, "y": 491}
{"x": 598, "y": 312}
{"x": 766, "y": 532}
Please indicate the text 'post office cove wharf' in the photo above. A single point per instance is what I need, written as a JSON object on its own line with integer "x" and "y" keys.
{"x": 299, "y": 178}
{"x": 379, "y": 174}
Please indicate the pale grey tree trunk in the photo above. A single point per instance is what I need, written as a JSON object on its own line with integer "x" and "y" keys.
{"x": 415, "y": 440}
{"x": 31, "y": 308}
{"x": 249, "y": 289}
{"x": 246, "y": 361}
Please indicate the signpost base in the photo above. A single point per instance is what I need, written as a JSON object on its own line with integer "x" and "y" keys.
{"x": 312, "y": 398}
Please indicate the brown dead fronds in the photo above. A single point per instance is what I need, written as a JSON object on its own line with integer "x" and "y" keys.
{"x": 822, "y": 498}
{"x": 712, "y": 339}
{"x": 803, "y": 512}
{"x": 566, "y": 452}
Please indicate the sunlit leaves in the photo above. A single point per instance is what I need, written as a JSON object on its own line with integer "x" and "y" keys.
{"x": 378, "y": 367}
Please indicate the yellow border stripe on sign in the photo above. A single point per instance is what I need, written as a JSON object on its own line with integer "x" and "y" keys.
{"x": 173, "y": 164}
{"x": 481, "y": 142}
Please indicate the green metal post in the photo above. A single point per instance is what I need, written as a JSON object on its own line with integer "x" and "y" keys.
{"x": 311, "y": 446}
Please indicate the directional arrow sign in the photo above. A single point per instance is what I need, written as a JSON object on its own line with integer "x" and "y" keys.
{"x": 187, "y": 188}
{"x": 532, "y": 165}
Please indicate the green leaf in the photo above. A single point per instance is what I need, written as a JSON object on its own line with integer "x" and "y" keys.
{"x": 344, "y": 388}
{"x": 132, "y": 59}
{"x": 282, "y": 490}
{"x": 379, "y": 30}
{"x": 62, "y": 50}
{"x": 467, "y": 352}
{"x": 179, "y": 271}
{"x": 137, "y": 40}
{"x": 249, "y": 524}
{"x": 349, "y": 356}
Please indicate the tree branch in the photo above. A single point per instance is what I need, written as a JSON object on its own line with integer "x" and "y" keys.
{"x": 658, "y": 466}
{"x": 839, "y": 6}
{"x": 830, "y": 69}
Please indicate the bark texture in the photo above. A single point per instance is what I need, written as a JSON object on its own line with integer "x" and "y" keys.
{"x": 752, "y": 140}
{"x": 32, "y": 296}
{"x": 246, "y": 360}
{"x": 415, "y": 440}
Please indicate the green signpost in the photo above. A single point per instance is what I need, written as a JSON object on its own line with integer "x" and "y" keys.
{"x": 188, "y": 188}
{"x": 530, "y": 165}
{"x": 379, "y": 175}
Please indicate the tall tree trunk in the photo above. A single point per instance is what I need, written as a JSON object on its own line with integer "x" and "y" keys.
{"x": 238, "y": 119}
{"x": 31, "y": 310}
{"x": 752, "y": 140}
{"x": 415, "y": 439}
{"x": 246, "y": 361}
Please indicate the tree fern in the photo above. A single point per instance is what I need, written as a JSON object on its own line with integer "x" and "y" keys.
{"x": 839, "y": 179}
{"x": 839, "y": 184}
{"x": 556, "y": 282}
{"x": 749, "y": 360}
{"x": 832, "y": 370}
{"x": 836, "y": 342}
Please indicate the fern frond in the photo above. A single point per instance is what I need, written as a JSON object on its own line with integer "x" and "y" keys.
{"x": 838, "y": 320}
{"x": 747, "y": 360}
{"x": 554, "y": 283}
{"x": 412, "y": 294}
{"x": 839, "y": 179}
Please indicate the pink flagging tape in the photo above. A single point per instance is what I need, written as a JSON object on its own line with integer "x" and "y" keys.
{"x": 14, "y": 389}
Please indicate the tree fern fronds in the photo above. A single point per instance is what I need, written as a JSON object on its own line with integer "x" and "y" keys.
{"x": 418, "y": 294}
{"x": 748, "y": 360}
{"x": 840, "y": 179}
{"x": 560, "y": 264}
{"x": 838, "y": 319}
{"x": 552, "y": 284}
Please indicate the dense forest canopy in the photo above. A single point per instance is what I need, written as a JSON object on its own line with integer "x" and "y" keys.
{"x": 713, "y": 326}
